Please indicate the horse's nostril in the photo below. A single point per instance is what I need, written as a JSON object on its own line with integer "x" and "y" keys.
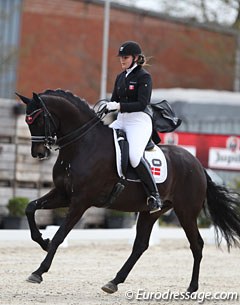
{"x": 40, "y": 156}
{"x": 43, "y": 154}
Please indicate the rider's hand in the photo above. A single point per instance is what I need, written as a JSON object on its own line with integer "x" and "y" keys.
{"x": 112, "y": 106}
{"x": 102, "y": 107}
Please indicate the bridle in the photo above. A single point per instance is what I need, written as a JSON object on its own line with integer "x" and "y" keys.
{"x": 49, "y": 138}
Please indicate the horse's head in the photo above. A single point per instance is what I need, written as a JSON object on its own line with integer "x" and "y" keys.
{"x": 50, "y": 123}
{"x": 41, "y": 125}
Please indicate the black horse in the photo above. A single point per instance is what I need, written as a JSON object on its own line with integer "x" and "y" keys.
{"x": 85, "y": 174}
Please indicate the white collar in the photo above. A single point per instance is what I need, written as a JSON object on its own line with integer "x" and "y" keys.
{"x": 128, "y": 71}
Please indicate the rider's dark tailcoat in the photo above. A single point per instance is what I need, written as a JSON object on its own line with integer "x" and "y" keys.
{"x": 133, "y": 91}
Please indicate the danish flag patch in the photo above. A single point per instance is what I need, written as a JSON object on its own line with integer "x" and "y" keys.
{"x": 155, "y": 171}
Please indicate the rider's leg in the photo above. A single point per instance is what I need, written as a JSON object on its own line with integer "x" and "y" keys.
{"x": 145, "y": 174}
{"x": 139, "y": 130}
{"x": 118, "y": 123}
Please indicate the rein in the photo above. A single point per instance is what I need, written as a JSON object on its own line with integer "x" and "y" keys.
{"x": 83, "y": 130}
{"x": 76, "y": 134}
{"x": 49, "y": 139}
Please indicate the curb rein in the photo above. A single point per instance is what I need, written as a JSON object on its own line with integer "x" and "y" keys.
{"x": 50, "y": 139}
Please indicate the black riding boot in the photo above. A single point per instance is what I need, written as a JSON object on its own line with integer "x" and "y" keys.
{"x": 144, "y": 172}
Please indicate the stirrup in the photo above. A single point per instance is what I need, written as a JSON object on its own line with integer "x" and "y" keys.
{"x": 153, "y": 203}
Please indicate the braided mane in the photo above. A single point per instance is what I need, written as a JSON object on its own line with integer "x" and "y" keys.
{"x": 80, "y": 104}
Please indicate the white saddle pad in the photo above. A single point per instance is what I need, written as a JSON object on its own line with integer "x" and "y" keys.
{"x": 155, "y": 158}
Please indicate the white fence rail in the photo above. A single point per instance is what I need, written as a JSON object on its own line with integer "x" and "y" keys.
{"x": 20, "y": 174}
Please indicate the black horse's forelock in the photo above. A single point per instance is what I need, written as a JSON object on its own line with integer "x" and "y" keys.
{"x": 79, "y": 103}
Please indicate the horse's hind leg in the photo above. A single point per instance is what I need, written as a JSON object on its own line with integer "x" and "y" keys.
{"x": 49, "y": 201}
{"x": 144, "y": 228}
{"x": 196, "y": 245}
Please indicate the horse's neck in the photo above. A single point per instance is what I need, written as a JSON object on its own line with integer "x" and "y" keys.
{"x": 71, "y": 119}
{"x": 101, "y": 135}
{"x": 69, "y": 116}
{"x": 97, "y": 144}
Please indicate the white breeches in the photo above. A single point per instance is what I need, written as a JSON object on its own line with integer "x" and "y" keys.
{"x": 138, "y": 128}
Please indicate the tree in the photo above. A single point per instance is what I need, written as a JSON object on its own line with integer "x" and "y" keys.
{"x": 223, "y": 12}
{"x": 236, "y": 23}
{"x": 214, "y": 12}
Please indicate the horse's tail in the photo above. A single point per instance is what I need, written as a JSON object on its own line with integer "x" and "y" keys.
{"x": 224, "y": 209}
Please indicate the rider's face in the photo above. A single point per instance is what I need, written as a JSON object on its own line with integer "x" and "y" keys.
{"x": 126, "y": 61}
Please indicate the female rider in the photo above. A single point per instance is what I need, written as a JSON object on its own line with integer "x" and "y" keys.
{"x": 131, "y": 95}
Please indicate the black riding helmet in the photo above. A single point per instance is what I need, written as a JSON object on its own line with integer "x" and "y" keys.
{"x": 129, "y": 48}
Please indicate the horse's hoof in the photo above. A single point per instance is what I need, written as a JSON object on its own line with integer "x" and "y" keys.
{"x": 34, "y": 278}
{"x": 110, "y": 287}
{"x": 191, "y": 290}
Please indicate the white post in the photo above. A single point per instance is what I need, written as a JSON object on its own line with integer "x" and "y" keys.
{"x": 103, "y": 92}
{"x": 237, "y": 65}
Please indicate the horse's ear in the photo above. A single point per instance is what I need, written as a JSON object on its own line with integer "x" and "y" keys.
{"x": 25, "y": 99}
{"x": 35, "y": 97}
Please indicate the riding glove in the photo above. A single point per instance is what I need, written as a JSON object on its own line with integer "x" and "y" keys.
{"x": 112, "y": 106}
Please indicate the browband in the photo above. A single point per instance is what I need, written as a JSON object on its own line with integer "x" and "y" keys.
{"x": 30, "y": 118}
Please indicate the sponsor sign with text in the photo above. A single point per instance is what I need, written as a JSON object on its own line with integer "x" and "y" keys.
{"x": 214, "y": 151}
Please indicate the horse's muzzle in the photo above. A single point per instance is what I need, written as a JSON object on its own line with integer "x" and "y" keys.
{"x": 40, "y": 151}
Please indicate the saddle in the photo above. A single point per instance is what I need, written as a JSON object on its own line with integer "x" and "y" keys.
{"x": 152, "y": 154}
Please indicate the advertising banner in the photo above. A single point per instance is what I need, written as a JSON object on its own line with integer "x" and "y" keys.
{"x": 214, "y": 151}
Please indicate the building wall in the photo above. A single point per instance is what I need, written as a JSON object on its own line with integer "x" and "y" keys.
{"x": 10, "y": 14}
{"x": 61, "y": 46}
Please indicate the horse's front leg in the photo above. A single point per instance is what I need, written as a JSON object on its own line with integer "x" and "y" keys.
{"x": 73, "y": 216}
{"x": 144, "y": 228}
{"x": 49, "y": 201}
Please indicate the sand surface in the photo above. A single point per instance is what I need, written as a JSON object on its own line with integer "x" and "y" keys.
{"x": 79, "y": 271}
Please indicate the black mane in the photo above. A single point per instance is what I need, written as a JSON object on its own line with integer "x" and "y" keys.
{"x": 80, "y": 104}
